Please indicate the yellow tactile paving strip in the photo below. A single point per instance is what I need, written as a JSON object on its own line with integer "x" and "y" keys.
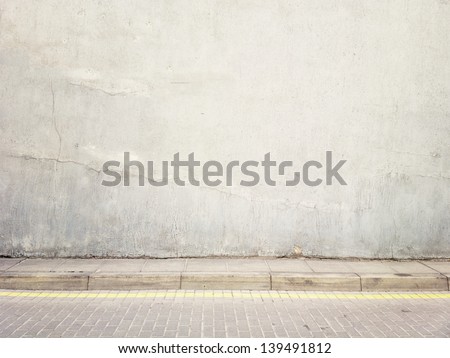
{"x": 219, "y": 294}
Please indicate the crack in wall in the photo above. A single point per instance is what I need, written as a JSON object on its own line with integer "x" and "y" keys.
{"x": 56, "y": 160}
{"x": 91, "y": 88}
{"x": 54, "y": 120}
{"x": 285, "y": 205}
{"x": 393, "y": 173}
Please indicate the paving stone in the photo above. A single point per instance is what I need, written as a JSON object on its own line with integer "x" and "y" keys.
{"x": 288, "y": 265}
{"x": 79, "y": 265}
{"x": 6, "y": 263}
{"x": 207, "y": 265}
{"x": 247, "y": 265}
{"x": 369, "y": 267}
{"x": 328, "y": 266}
{"x": 158, "y": 265}
{"x": 37, "y": 265}
{"x": 122, "y": 265}
{"x": 412, "y": 267}
{"x": 440, "y": 266}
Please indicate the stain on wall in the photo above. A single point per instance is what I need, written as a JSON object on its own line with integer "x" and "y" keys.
{"x": 81, "y": 82}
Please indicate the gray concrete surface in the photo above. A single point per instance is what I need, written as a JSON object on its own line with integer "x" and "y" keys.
{"x": 236, "y": 274}
{"x": 45, "y": 281}
{"x": 188, "y": 313}
{"x": 403, "y": 281}
{"x": 134, "y": 280}
{"x": 82, "y": 82}
{"x": 226, "y": 280}
{"x": 316, "y": 281}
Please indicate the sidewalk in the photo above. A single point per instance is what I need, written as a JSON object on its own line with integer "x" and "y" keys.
{"x": 223, "y": 274}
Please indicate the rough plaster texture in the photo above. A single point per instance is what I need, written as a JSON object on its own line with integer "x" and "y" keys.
{"x": 83, "y": 81}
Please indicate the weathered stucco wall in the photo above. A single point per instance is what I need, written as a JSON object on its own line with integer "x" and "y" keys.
{"x": 81, "y": 82}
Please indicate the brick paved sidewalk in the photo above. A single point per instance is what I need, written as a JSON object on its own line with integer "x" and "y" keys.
{"x": 185, "y": 313}
{"x": 223, "y": 273}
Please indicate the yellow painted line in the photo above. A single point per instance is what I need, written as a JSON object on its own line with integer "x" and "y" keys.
{"x": 233, "y": 294}
{"x": 265, "y": 295}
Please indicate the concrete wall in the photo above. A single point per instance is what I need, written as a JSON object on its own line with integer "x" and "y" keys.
{"x": 81, "y": 82}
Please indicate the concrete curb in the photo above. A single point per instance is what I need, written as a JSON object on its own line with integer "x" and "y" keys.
{"x": 288, "y": 281}
{"x": 43, "y": 281}
{"x": 135, "y": 281}
{"x": 316, "y": 281}
{"x": 225, "y": 281}
{"x": 448, "y": 280}
{"x": 404, "y": 282}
